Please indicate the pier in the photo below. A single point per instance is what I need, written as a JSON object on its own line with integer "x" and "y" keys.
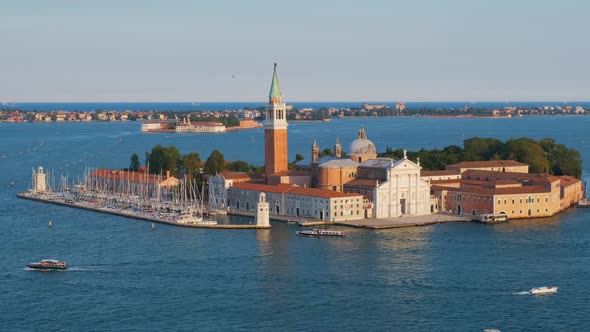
{"x": 129, "y": 213}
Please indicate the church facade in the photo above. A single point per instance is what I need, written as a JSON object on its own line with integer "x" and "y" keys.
{"x": 391, "y": 188}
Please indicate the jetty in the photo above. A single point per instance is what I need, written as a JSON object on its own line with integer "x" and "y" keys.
{"x": 130, "y": 197}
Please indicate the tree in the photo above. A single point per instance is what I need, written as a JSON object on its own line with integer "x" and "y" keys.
{"x": 191, "y": 164}
{"x": 299, "y": 157}
{"x": 215, "y": 164}
{"x": 134, "y": 167}
{"x": 326, "y": 152}
{"x": 238, "y": 166}
{"x": 163, "y": 159}
{"x": 529, "y": 152}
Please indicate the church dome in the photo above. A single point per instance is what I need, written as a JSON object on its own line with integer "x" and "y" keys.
{"x": 362, "y": 146}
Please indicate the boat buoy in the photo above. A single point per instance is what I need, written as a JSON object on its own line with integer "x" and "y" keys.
{"x": 50, "y": 223}
{"x": 153, "y": 226}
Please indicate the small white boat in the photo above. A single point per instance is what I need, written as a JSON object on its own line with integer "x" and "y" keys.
{"x": 320, "y": 232}
{"x": 543, "y": 290}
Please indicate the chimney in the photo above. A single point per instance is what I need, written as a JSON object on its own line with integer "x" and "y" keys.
{"x": 167, "y": 174}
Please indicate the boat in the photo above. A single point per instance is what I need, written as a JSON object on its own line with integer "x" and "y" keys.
{"x": 584, "y": 203}
{"x": 492, "y": 218}
{"x": 320, "y": 232}
{"x": 543, "y": 290}
{"x": 48, "y": 265}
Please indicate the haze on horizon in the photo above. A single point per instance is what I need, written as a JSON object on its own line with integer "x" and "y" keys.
{"x": 429, "y": 50}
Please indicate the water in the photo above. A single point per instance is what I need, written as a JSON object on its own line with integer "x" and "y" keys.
{"x": 126, "y": 276}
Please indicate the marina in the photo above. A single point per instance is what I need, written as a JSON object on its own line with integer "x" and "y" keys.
{"x": 132, "y": 196}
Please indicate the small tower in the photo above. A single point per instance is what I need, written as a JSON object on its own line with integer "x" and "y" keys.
{"x": 262, "y": 217}
{"x": 40, "y": 180}
{"x": 338, "y": 149}
{"x": 315, "y": 151}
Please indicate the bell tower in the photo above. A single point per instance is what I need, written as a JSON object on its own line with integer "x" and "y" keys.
{"x": 275, "y": 130}
{"x": 337, "y": 149}
{"x": 315, "y": 152}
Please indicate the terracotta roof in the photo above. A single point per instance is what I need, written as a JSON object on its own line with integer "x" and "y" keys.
{"x": 284, "y": 188}
{"x": 278, "y": 188}
{"x": 567, "y": 180}
{"x": 488, "y": 163}
{"x": 289, "y": 173}
{"x": 520, "y": 177}
{"x": 501, "y": 191}
{"x": 320, "y": 193}
{"x": 439, "y": 173}
{"x": 229, "y": 175}
{"x": 128, "y": 176}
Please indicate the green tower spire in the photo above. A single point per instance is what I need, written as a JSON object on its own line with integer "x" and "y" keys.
{"x": 275, "y": 89}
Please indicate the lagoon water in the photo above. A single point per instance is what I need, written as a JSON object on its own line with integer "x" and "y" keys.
{"x": 126, "y": 276}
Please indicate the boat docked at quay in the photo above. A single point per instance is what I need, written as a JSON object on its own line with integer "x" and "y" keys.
{"x": 543, "y": 290}
{"x": 492, "y": 218}
{"x": 48, "y": 265}
{"x": 320, "y": 232}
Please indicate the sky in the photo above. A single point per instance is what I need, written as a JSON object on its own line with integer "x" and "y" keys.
{"x": 370, "y": 50}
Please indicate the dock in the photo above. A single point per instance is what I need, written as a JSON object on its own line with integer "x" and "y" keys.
{"x": 131, "y": 214}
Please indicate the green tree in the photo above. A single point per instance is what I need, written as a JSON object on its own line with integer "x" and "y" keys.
{"x": 162, "y": 159}
{"x": 191, "y": 164}
{"x": 215, "y": 163}
{"x": 238, "y": 166}
{"x": 135, "y": 164}
{"x": 326, "y": 152}
{"x": 299, "y": 157}
{"x": 529, "y": 152}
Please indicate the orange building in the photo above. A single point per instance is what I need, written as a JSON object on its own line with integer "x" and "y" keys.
{"x": 517, "y": 195}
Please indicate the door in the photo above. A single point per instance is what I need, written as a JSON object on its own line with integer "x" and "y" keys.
{"x": 402, "y": 203}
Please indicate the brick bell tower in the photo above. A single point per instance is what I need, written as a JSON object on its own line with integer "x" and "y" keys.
{"x": 275, "y": 130}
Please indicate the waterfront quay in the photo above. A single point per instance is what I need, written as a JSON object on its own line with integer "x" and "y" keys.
{"x": 405, "y": 221}
{"x": 370, "y": 223}
{"x": 128, "y": 213}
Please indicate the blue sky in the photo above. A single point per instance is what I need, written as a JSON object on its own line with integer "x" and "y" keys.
{"x": 420, "y": 50}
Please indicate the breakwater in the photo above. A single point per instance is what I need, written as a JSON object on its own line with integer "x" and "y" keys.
{"x": 129, "y": 213}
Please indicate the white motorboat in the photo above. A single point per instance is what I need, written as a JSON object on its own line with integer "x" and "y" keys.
{"x": 543, "y": 290}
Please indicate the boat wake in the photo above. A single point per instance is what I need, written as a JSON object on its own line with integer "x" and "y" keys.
{"x": 41, "y": 270}
{"x": 522, "y": 293}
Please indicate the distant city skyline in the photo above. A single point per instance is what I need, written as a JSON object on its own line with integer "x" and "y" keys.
{"x": 223, "y": 51}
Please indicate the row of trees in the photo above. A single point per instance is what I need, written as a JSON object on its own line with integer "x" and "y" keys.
{"x": 168, "y": 158}
{"x": 542, "y": 156}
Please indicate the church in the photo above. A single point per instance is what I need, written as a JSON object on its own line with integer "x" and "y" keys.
{"x": 391, "y": 188}
{"x": 356, "y": 186}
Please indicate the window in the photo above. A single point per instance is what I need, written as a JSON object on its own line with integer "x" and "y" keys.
{"x": 498, "y": 202}
{"x": 513, "y": 202}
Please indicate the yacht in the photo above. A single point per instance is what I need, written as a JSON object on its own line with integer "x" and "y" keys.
{"x": 48, "y": 265}
{"x": 543, "y": 290}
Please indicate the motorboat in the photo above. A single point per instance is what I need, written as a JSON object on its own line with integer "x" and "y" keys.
{"x": 543, "y": 290}
{"x": 320, "y": 232}
{"x": 48, "y": 265}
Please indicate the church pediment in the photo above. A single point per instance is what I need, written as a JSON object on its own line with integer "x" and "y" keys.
{"x": 406, "y": 165}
